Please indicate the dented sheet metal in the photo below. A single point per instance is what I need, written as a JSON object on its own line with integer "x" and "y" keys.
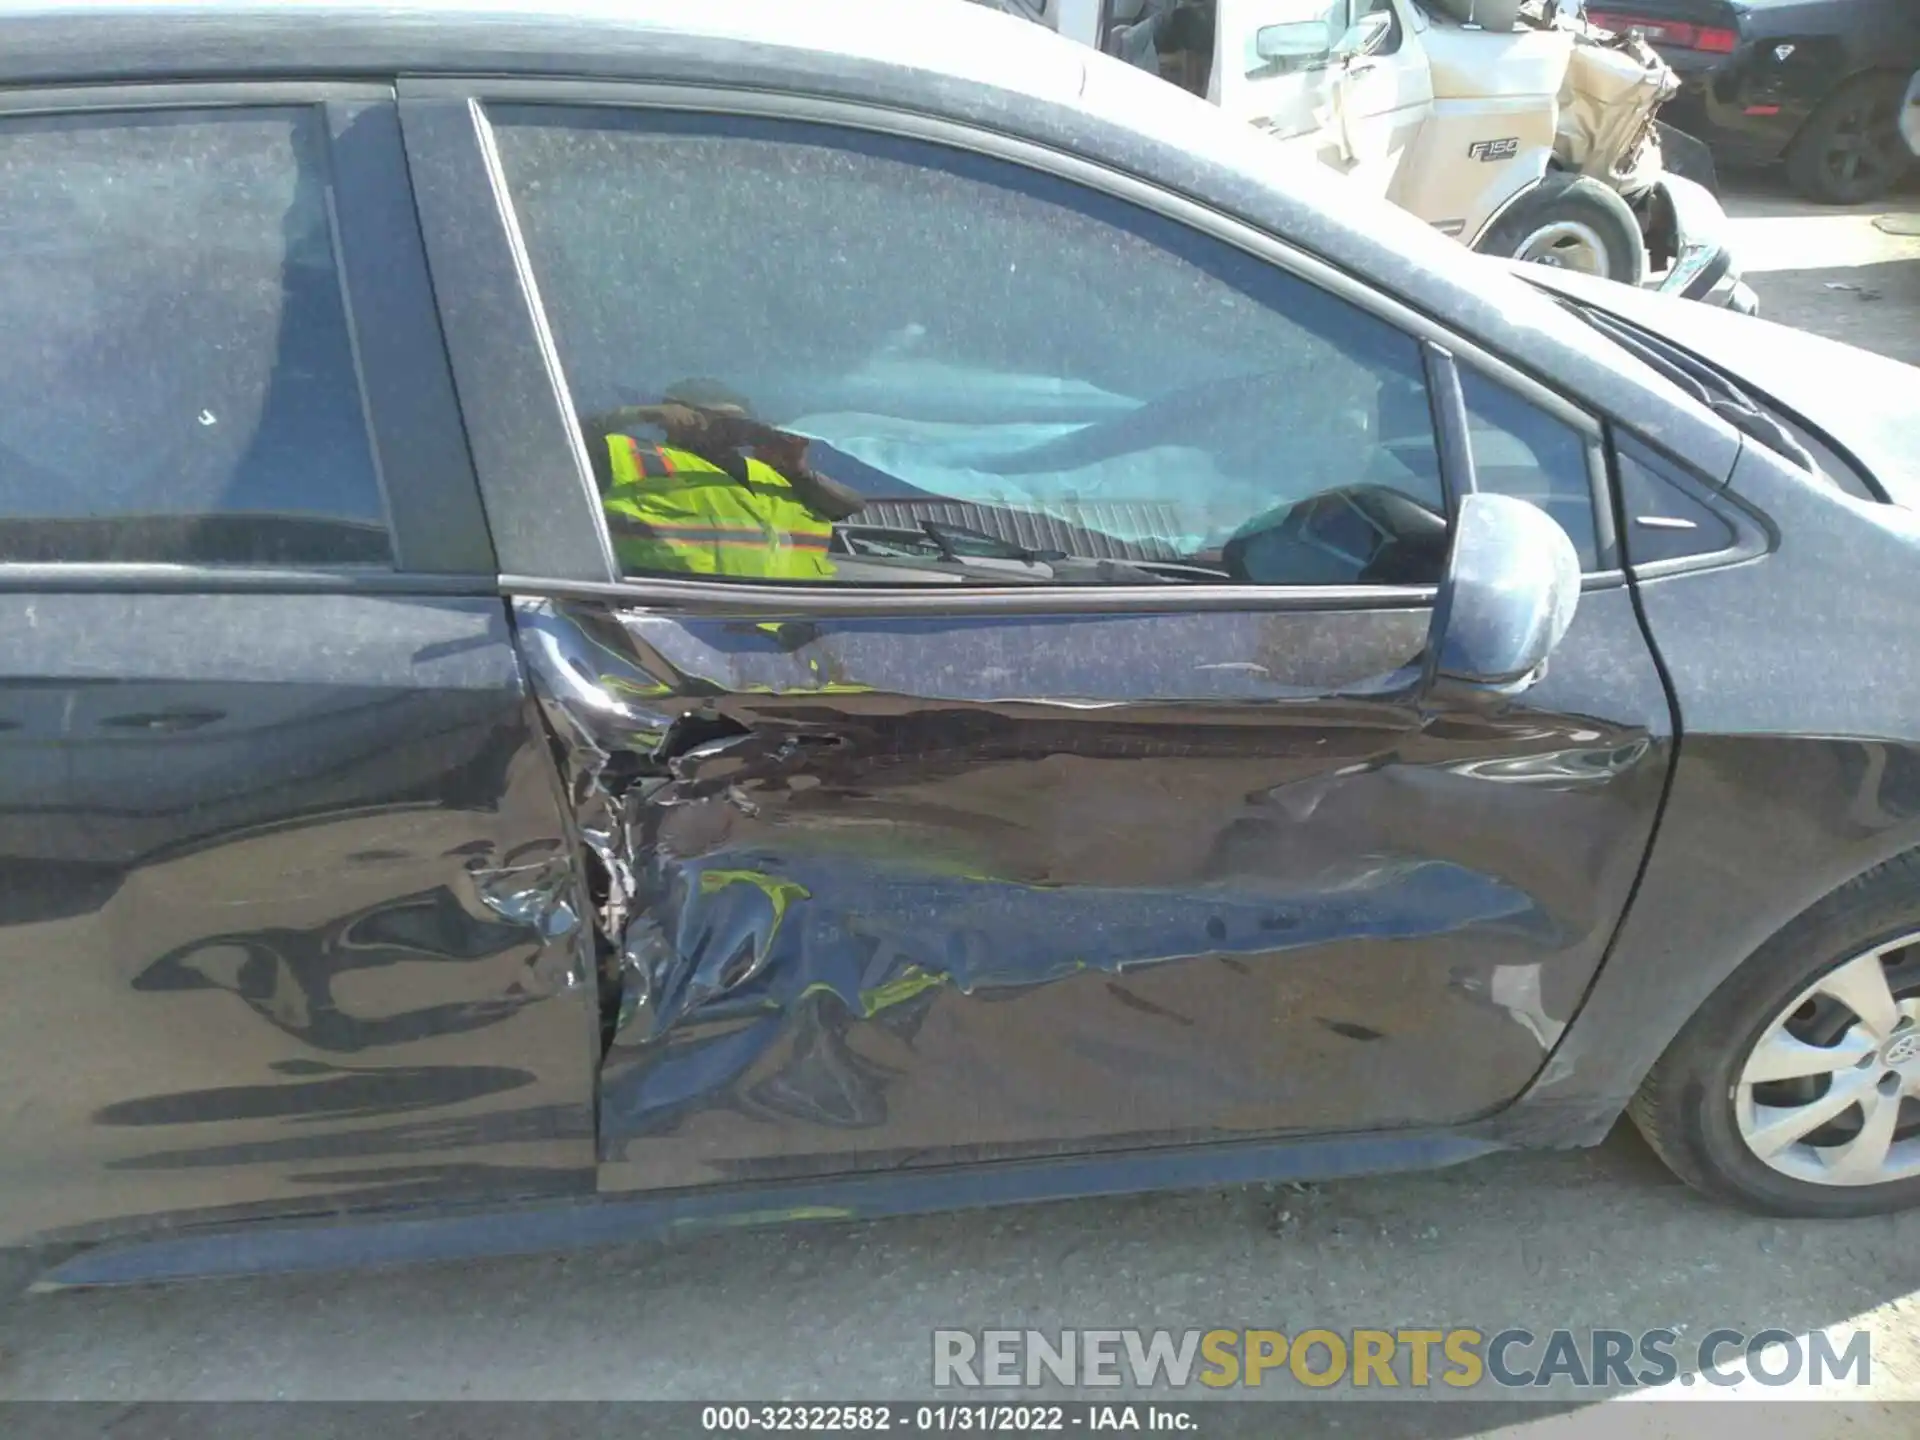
{"x": 903, "y": 890}
{"x": 1614, "y": 86}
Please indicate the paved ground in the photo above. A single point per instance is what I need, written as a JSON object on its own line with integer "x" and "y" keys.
{"x": 1596, "y": 1239}
{"x": 1849, "y": 274}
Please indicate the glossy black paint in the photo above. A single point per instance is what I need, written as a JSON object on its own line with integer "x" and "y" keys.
{"x": 432, "y": 497}
{"x": 287, "y": 919}
{"x": 1799, "y": 770}
{"x": 1094, "y": 892}
{"x": 1750, "y": 104}
{"x": 910, "y": 891}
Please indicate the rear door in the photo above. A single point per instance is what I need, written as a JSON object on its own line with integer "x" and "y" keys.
{"x": 1087, "y": 803}
{"x": 285, "y": 910}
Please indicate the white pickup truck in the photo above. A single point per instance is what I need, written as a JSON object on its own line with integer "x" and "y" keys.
{"x": 1524, "y": 134}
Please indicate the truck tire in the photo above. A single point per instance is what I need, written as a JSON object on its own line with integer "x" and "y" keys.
{"x": 1573, "y": 222}
{"x": 1850, "y": 150}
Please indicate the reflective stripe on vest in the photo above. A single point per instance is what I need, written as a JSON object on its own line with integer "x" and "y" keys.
{"x": 670, "y": 510}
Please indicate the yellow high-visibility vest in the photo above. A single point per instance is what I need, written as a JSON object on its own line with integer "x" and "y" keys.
{"x": 670, "y": 510}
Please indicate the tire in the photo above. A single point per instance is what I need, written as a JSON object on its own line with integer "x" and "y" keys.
{"x": 1688, "y": 1107}
{"x": 1573, "y": 216}
{"x": 1850, "y": 150}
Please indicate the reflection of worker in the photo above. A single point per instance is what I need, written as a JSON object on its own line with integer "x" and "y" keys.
{"x": 1185, "y": 43}
{"x": 723, "y": 495}
{"x": 1171, "y": 39}
{"x": 1130, "y": 35}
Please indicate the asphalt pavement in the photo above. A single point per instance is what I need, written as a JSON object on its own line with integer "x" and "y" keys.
{"x": 1595, "y": 1239}
{"x": 1846, "y": 273}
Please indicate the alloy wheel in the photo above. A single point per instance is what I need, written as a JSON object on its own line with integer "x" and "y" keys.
{"x": 1830, "y": 1092}
{"x": 1862, "y": 146}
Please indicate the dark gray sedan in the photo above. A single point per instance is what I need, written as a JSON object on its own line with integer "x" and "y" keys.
{"x": 662, "y": 613}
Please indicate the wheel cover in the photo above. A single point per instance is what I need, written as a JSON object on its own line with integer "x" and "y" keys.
{"x": 1830, "y": 1092}
{"x": 1568, "y": 245}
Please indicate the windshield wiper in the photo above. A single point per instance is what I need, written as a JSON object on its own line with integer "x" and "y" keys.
{"x": 1704, "y": 383}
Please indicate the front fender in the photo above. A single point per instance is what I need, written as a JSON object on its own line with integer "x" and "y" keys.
{"x": 1449, "y": 181}
{"x": 1509, "y": 192}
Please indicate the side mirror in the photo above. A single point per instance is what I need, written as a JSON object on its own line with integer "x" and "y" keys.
{"x": 1301, "y": 40}
{"x": 1512, "y": 583}
{"x": 1366, "y": 35}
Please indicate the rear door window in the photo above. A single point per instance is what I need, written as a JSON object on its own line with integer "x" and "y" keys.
{"x": 178, "y": 382}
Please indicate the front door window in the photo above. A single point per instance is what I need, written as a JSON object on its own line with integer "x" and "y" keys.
{"x": 815, "y": 356}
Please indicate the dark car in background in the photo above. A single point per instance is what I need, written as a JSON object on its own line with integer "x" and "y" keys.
{"x": 1813, "y": 84}
{"x": 1283, "y": 696}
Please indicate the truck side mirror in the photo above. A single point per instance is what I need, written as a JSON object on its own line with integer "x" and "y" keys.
{"x": 1300, "y": 40}
{"x": 1512, "y": 582}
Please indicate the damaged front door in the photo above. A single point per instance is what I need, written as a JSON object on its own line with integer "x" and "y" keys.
{"x": 1007, "y": 738}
